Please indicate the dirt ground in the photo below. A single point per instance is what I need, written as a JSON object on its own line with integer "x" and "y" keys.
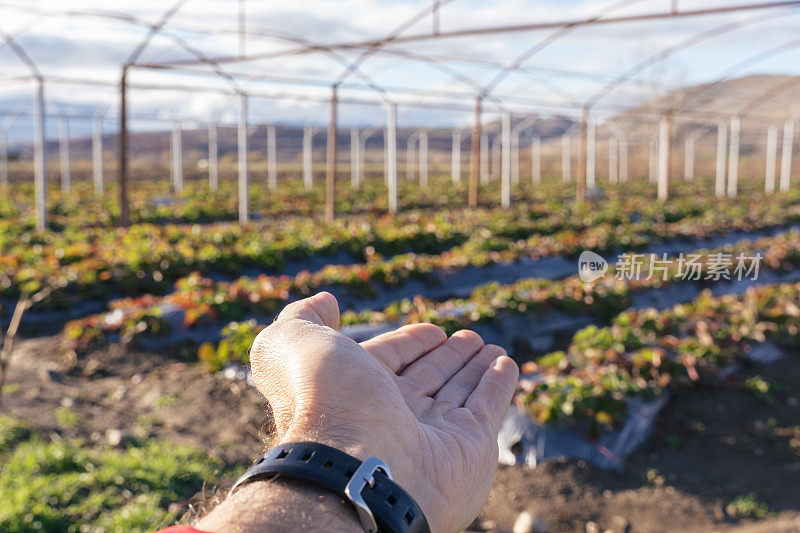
{"x": 710, "y": 445}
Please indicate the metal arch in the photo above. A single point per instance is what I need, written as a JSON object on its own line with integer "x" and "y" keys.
{"x": 354, "y": 45}
{"x": 21, "y": 53}
{"x": 544, "y": 43}
{"x": 668, "y": 52}
{"x": 433, "y": 10}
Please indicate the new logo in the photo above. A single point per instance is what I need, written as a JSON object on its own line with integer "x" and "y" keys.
{"x": 591, "y": 266}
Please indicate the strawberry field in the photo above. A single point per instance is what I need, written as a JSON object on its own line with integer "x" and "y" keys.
{"x": 696, "y": 288}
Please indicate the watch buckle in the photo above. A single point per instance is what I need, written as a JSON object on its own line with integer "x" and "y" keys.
{"x": 362, "y": 477}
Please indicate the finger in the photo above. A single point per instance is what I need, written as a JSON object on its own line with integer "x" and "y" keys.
{"x": 322, "y": 309}
{"x": 457, "y": 390}
{"x": 403, "y": 346}
{"x": 430, "y": 372}
{"x": 491, "y": 398}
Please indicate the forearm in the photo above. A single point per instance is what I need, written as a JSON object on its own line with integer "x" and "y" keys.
{"x": 281, "y": 505}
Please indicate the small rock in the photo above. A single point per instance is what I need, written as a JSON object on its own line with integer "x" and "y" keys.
{"x": 489, "y": 525}
{"x": 592, "y": 527}
{"x": 529, "y": 523}
{"x": 119, "y": 393}
{"x": 66, "y": 401}
{"x": 114, "y": 436}
{"x": 136, "y": 379}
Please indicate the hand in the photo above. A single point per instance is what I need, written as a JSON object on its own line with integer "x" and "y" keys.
{"x": 429, "y": 406}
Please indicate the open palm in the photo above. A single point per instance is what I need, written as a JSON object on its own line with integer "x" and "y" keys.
{"x": 429, "y": 406}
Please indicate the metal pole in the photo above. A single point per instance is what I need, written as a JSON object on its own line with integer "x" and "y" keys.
{"x": 308, "y": 170}
{"x": 355, "y": 157}
{"x": 455, "y": 159}
{"x": 362, "y": 147}
{"x": 505, "y": 186}
{"x": 330, "y": 174}
{"x": 411, "y": 156}
{"x": 688, "y": 159}
{"x": 485, "y": 157}
{"x": 474, "y": 159}
{"x": 623, "y": 160}
{"x": 536, "y": 160}
{"x": 515, "y": 158}
{"x": 663, "y": 156}
{"x": 722, "y": 144}
{"x": 39, "y": 157}
{"x": 177, "y": 159}
{"x": 590, "y": 154}
{"x": 613, "y": 161}
{"x": 733, "y": 158}
{"x": 391, "y": 156}
{"x": 213, "y": 158}
{"x": 122, "y": 177}
{"x": 496, "y": 157}
{"x": 423, "y": 159}
{"x": 272, "y": 159}
{"x": 244, "y": 185}
{"x": 566, "y": 158}
{"x": 97, "y": 154}
{"x": 786, "y": 153}
{"x": 772, "y": 149}
{"x": 63, "y": 155}
{"x": 580, "y": 191}
{"x": 651, "y": 176}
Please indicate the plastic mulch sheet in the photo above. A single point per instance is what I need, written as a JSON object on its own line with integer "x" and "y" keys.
{"x": 523, "y": 441}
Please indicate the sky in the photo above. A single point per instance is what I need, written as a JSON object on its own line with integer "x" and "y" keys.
{"x": 89, "y": 40}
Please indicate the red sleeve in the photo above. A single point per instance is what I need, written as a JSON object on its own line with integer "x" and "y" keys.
{"x": 179, "y": 529}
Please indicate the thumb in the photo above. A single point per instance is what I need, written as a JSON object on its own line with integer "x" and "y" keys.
{"x": 322, "y": 309}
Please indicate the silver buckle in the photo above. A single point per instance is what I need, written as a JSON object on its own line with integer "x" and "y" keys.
{"x": 362, "y": 477}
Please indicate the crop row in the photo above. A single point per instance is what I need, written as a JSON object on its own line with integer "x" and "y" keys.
{"x": 204, "y": 302}
{"x": 149, "y": 258}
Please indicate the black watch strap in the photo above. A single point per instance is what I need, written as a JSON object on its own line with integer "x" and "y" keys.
{"x": 368, "y": 485}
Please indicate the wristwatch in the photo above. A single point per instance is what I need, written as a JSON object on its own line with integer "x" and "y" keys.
{"x": 382, "y": 505}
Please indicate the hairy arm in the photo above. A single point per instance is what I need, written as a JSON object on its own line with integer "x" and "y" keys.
{"x": 281, "y": 505}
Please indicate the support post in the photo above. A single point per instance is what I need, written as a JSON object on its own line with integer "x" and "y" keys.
{"x": 651, "y": 169}
{"x": 177, "y": 159}
{"x": 213, "y": 158}
{"x": 505, "y": 186}
{"x": 688, "y": 159}
{"x": 122, "y": 175}
{"x": 786, "y": 153}
{"x": 536, "y": 160}
{"x": 455, "y": 158}
{"x": 722, "y": 144}
{"x": 362, "y": 147}
{"x": 272, "y": 159}
{"x": 97, "y": 154}
{"x": 63, "y": 155}
{"x": 39, "y": 157}
{"x": 496, "y": 157}
{"x": 308, "y": 161}
{"x": 772, "y": 149}
{"x": 613, "y": 160}
{"x": 591, "y": 145}
{"x": 391, "y": 156}
{"x": 566, "y": 158}
{"x": 355, "y": 158}
{"x": 664, "y": 156}
{"x": 474, "y": 159}
{"x": 733, "y": 158}
{"x": 515, "y": 158}
{"x": 580, "y": 194}
{"x": 244, "y": 185}
{"x": 423, "y": 159}
{"x": 623, "y": 160}
{"x": 330, "y": 171}
{"x": 484, "y": 158}
{"x": 411, "y": 156}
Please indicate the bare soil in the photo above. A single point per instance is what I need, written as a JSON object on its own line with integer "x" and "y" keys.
{"x": 710, "y": 445}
